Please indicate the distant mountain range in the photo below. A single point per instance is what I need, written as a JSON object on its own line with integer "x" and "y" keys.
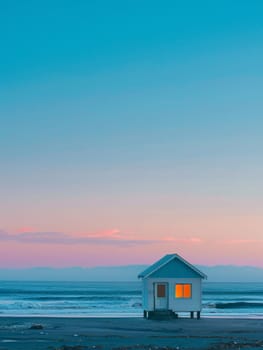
{"x": 221, "y": 273}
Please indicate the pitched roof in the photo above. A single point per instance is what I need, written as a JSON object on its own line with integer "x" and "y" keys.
{"x": 165, "y": 260}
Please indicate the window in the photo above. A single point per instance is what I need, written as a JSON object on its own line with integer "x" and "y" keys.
{"x": 161, "y": 290}
{"x": 183, "y": 290}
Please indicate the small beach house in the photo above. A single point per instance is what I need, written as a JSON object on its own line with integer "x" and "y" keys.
{"x": 172, "y": 285}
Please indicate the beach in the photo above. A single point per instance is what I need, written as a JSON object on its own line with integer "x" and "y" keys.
{"x": 39, "y": 333}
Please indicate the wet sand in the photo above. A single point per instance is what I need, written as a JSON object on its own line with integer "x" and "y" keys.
{"x": 129, "y": 334}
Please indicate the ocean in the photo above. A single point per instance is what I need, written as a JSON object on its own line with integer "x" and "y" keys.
{"x": 119, "y": 299}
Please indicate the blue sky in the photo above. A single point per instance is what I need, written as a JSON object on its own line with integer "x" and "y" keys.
{"x": 117, "y": 112}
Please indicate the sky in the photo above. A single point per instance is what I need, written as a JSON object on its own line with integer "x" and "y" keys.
{"x": 130, "y": 129}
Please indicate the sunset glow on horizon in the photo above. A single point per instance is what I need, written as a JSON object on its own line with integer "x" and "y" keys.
{"x": 130, "y": 131}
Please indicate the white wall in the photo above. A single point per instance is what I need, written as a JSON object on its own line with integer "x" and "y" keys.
{"x": 175, "y": 304}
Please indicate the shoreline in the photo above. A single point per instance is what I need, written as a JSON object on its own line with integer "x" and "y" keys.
{"x": 127, "y": 316}
{"x": 57, "y": 333}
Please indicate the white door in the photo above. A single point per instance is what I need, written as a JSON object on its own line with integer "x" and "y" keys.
{"x": 161, "y": 296}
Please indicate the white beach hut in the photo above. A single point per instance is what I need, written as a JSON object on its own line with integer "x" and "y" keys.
{"x": 172, "y": 285}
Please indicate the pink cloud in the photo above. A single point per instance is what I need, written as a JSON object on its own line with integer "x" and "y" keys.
{"x": 112, "y": 236}
{"x": 104, "y": 237}
{"x": 114, "y": 233}
{"x": 243, "y": 241}
{"x": 183, "y": 240}
{"x": 25, "y": 229}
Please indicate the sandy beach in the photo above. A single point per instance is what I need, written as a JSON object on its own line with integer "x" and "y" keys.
{"x": 128, "y": 333}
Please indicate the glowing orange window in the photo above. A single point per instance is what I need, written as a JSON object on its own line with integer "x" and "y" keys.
{"x": 183, "y": 290}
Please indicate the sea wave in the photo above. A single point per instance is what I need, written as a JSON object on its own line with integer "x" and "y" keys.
{"x": 65, "y": 306}
{"x": 238, "y": 305}
{"x": 81, "y": 298}
{"x": 233, "y": 292}
{"x": 65, "y": 292}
